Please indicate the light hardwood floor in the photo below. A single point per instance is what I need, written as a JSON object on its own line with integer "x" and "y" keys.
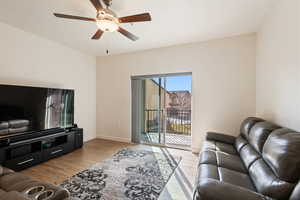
{"x": 179, "y": 187}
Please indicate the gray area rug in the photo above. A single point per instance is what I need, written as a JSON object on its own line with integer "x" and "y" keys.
{"x": 131, "y": 174}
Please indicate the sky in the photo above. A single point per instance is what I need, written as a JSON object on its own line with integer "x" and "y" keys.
{"x": 175, "y": 83}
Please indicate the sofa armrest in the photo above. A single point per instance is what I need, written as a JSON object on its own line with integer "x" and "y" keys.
{"x": 5, "y": 171}
{"x": 220, "y": 137}
{"x": 13, "y": 195}
{"x": 209, "y": 189}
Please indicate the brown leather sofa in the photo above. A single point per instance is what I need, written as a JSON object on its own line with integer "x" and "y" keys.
{"x": 262, "y": 163}
{"x": 17, "y": 186}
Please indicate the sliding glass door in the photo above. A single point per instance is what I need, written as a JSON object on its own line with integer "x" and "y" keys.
{"x": 161, "y": 110}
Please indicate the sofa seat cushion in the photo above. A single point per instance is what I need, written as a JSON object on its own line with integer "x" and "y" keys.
{"x": 14, "y": 195}
{"x": 59, "y": 193}
{"x": 8, "y": 181}
{"x": 20, "y": 183}
{"x": 209, "y": 189}
{"x": 1, "y": 192}
{"x": 208, "y": 171}
{"x": 235, "y": 178}
{"x": 219, "y": 146}
{"x": 223, "y": 160}
{"x": 21, "y": 186}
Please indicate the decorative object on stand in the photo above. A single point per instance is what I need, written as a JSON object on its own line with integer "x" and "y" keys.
{"x": 108, "y": 21}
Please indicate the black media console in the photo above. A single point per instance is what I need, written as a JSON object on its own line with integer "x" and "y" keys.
{"x": 20, "y": 153}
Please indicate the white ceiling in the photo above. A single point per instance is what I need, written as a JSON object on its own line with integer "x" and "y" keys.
{"x": 174, "y": 21}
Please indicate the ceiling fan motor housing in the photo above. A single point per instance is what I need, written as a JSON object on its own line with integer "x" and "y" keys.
{"x": 107, "y": 20}
{"x": 106, "y": 12}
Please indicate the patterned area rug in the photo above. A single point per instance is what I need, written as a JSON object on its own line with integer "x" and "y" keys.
{"x": 131, "y": 174}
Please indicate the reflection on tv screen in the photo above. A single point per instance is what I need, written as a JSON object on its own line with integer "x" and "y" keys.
{"x": 24, "y": 109}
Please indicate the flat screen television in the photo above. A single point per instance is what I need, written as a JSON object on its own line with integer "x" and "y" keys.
{"x": 30, "y": 109}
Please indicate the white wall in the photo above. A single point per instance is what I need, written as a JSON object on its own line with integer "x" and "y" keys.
{"x": 223, "y": 85}
{"x": 224, "y": 76}
{"x": 26, "y": 59}
{"x": 278, "y": 65}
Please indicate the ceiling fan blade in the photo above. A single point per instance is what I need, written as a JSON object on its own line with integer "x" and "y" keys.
{"x": 97, "y": 4}
{"x": 97, "y": 35}
{"x": 127, "y": 34}
{"x": 136, "y": 18}
{"x": 74, "y": 17}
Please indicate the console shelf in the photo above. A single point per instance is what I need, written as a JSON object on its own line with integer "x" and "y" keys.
{"x": 22, "y": 154}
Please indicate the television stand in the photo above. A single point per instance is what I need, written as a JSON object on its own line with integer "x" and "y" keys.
{"x": 21, "y": 154}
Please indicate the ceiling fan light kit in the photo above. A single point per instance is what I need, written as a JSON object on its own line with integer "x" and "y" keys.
{"x": 108, "y": 21}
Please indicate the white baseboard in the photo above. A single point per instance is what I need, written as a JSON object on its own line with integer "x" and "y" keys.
{"x": 111, "y": 138}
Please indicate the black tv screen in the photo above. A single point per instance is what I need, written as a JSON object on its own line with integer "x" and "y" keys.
{"x": 29, "y": 109}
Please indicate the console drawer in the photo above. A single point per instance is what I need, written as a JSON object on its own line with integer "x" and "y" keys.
{"x": 23, "y": 162}
{"x": 54, "y": 152}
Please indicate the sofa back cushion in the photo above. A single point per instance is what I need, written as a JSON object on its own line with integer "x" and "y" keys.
{"x": 272, "y": 157}
{"x": 249, "y": 155}
{"x": 247, "y": 124}
{"x": 277, "y": 171}
{"x": 240, "y": 142}
{"x": 259, "y": 134}
{"x": 282, "y": 153}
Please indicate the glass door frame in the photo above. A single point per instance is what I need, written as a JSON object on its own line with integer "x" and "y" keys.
{"x": 161, "y": 119}
{"x": 162, "y": 111}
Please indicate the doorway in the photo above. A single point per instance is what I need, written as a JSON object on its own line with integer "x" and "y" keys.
{"x": 162, "y": 110}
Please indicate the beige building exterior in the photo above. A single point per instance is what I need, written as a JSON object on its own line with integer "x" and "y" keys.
{"x": 180, "y": 100}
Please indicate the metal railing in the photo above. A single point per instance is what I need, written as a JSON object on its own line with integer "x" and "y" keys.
{"x": 177, "y": 121}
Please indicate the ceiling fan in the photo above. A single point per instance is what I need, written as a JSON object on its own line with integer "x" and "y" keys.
{"x": 108, "y": 21}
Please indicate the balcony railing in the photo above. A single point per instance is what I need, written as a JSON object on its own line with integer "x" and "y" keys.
{"x": 177, "y": 121}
